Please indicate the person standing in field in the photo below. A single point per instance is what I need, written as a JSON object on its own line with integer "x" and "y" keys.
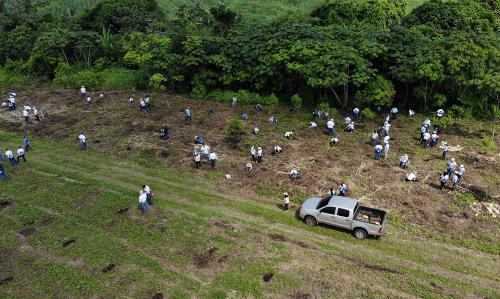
{"x": 83, "y": 141}
{"x": 10, "y": 156}
{"x": 20, "y": 155}
{"x": 143, "y": 202}
{"x": 286, "y": 201}
{"x": 3, "y": 176}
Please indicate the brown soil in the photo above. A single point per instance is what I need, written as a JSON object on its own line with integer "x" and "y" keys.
{"x": 300, "y": 295}
{"x": 47, "y": 222}
{"x": 267, "y": 277}
{"x": 202, "y": 260}
{"x": 68, "y": 242}
{"x": 28, "y": 231}
{"x": 108, "y": 268}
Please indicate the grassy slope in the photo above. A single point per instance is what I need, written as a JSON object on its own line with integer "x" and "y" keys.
{"x": 65, "y": 194}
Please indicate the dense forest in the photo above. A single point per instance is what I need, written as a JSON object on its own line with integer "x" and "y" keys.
{"x": 345, "y": 53}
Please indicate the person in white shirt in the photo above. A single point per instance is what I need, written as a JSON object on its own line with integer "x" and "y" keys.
{"x": 234, "y": 101}
{"x": 253, "y": 153}
{"x": 130, "y": 100}
{"x": 289, "y": 135}
{"x": 313, "y": 125}
{"x": 404, "y": 161}
{"x": 426, "y": 139}
{"x": 35, "y": 113}
{"x": 444, "y": 153}
{"x": 102, "y": 96}
{"x": 146, "y": 102}
{"x": 330, "y": 126}
{"x": 83, "y": 92}
{"x": 89, "y": 100}
{"x": 411, "y": 113}
{"x": 260, "y": 155}
{"x": 331, "y": 192}
{"x": 142, "y": 104}
{"x": 213, "y": 159}
{"x": 347, "y": 120}
{"x": 388, "y": 118}
{"x": 460, "y": 173}
{"x": 394, "y": 112}
{"x": 350, "y": 127}
{"x": 83, "y": 141}
{"x": 273, "y": 119}
{"x": 427, "y": 122}
{"x": 443, "y": 179}
{"x": 355, "y": 111}
{"x": 342, "y": 189}
{"x": 149, "y": 195}
{"x": 378, "y": 151}
{"x": 255, "y": 131}
{"x": 143, "y": 201}
{"x": 387, "y": 127}
{"x": 434, "y": 139}
{"x": 440, "y": 113}
{"x": 286, "y": 201}
{"x": 248, "y": 167}
{"x": 277, "y": 149}
{"x": 452, "y": 164}
{"x": 386, "y": 146}
{"x": 411, "y": 177}
{"x": 374, "y": 138}
{"x": 10, "y": 155}
{"x": 20, "y": 154}
{"x": 4, "y": 105}
{"x": 205, "y": 150}
{"x": 455, "y": 179}
{"x": 26, "y": 116}
{"x": 197, "y": 160}
{"x": 294, "y": 174}
{"x": 334, "y": 141}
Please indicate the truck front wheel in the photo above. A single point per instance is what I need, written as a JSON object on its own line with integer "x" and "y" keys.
{"x": 360, "y": 233}
{"x": 311, "y": 221}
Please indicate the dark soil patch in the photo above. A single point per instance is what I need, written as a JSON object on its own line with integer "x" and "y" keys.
{"x": 47, "y": 222}
{"x": 28, "y": 231}
{"x": 122, "y": 210}
{"x": 223, "y": 224}
{"x": 157, "y": 296}
{"x": 202, "y": 261}
{"x": 223, "y": 259}
{"x": 6, "y": 280}
{"x": 29, "y": 222}
{"x": 5, "y": 203}
{"x": 267, "y": 277}
{"x": 300, "y": 295}
{"x": 479, "y": 192}
{"x": 108, "y": 268}
{"x": 66, "y": 243}
{"x": 277, "y": 237}
{"x": 373, "y": 267}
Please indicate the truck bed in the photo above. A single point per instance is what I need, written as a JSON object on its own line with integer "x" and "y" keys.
{"x": 369, "y": 215}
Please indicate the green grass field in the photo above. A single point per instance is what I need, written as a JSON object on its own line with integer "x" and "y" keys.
{"x": 198, "y": 242}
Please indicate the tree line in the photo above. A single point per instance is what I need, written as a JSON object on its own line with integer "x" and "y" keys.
{"x": 346, "y": 53}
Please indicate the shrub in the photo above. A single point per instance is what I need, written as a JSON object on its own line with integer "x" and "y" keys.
{"x": 244, "y": 97}
{"x": 296, "y": 102}
{"x": 112, "y": 78}
{"x": 235, "y": 131}
{"x": 467, "y": 197}
{"x": 487, "y": 144}
{"x": 9, "y": 78}
{"x": 368, "y": 113}
{"x": 156, "y": 82}
{"x": 324, "y": 106}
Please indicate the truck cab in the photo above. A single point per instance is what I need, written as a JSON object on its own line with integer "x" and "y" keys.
{"x": 346, "y": 213}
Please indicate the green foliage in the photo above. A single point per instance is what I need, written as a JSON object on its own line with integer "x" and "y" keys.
{"x": 487, "y": 144}
{"x": 325, "y": 106}
{"x": 122, "y": 16}
{"x": 156, "y": 82}
{"x": 296, "y": 102}
{"x": 244, "y": 97}
{"x": 235, "y": 131}
{"x": 368, "y": 113}
{"x": 466, "y": 197}
{"x": 379, "y": 91}
{"x": 9, "y": 78}
{"x": 112, "y": 78}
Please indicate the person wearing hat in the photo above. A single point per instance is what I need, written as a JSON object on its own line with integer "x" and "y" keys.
{"x": 294, "y": 174}
{"x": 83, "y": 141}
{"x": 187, "y": 114}
{"x": 289, "y": 135}
{"x": 460, "y": 172}
{"x": 404, "y": 161}
{"x": 378, "y": 151}
{"x": 434, "y": 139}
{"x": 83, "y": 92}
{"x": 260, "y": 155}
{"x": 342, "y": 189}
{"x": 411, "y": 113}
{"x": 443, "y": 179}
{"x": 334, "y": 141}
{"x": 330, "y": 126}
{"x": 164, "y": 132}
{"x": 197, "y": 160}
{"x": 286, "y": 201}
{"x": 355, "y": 111}
{"x": 248, "y": 167}
{"x": 451, "y": 166}
{"x": 444, "y": 153}
{"x": 255, "y": 131}
{"x": 277, "y": 149}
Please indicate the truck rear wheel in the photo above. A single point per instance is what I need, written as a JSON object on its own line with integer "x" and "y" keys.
{"x": 311, "y": 221}
{"x": 360, "y": 233}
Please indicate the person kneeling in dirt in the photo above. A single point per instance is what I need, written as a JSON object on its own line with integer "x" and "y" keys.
{"x": 277, "y": 149}
{"x": 443, "y": 179}
{"x": 213, "y": 159}
{"x": 83, "y": 141}
{"x": 342, "y": 189}
{"x": 313, "y": 125}
{"x": 350, "y": 127}
{"x": 258, "y": 107}
{"x": 404, "y": 161}
{"x": 248, "y": 167}
{"x": 102, "y": 96}
{"x": 198, "y": 140}
{"x": 164, "y": 132}
{"x": 143, "y": 198}
{"x": 411, "y": 177}
{"x": 289, "y": 135}
{"x": 334, "y": 141}
{"x": 294, "y": 174}
{"x": 197, "y": 160}
{"x": 89, "y": 99}
{"x": 255, "y": 131}
{"x": 149, "y": 194}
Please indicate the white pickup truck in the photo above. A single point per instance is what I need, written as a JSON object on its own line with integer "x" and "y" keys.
{"x": 344, "y": 212}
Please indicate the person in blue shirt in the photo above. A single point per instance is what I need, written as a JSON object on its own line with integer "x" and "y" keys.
{"x": 198, "y": 140}
{"x": 26, "y": 144}
{"x": 3, "y": 177}
{"x": 187, "y": 114}
{"x": 244, "y": 116}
